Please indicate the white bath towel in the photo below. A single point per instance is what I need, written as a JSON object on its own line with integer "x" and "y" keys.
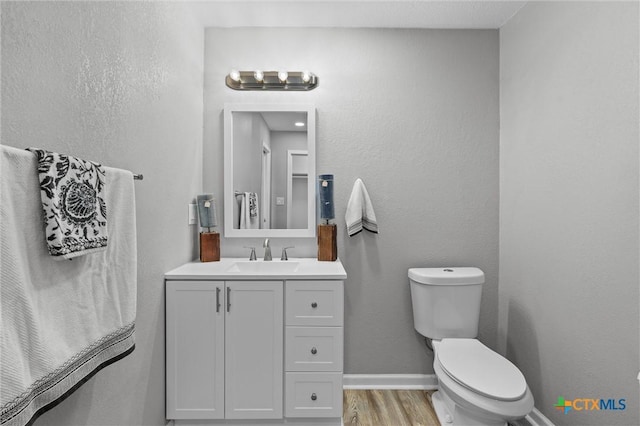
{"x": 360, "y": 212}
{"x": 61, "y": 321}
{"x": 249, "y": 211}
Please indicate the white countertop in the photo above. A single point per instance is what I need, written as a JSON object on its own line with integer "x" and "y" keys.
{"x": 241, "y": 268}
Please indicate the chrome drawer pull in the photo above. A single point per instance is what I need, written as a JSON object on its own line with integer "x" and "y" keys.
{"x": 314, "y": 305}
{"x": 313, "y": 397}
{"x": 314, "y": 351}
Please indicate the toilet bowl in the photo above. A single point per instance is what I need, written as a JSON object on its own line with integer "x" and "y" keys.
{"x": 477, "y": 386}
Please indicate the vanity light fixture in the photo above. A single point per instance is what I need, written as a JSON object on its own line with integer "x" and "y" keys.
{"x": 271, "y": 80}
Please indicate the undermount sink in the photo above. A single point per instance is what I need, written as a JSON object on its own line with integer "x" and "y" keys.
{"x": 262, "y": 267}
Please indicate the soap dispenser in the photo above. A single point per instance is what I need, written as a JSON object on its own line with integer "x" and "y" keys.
{"x": 209, "y": 240}
{"x": 327, "y": 231}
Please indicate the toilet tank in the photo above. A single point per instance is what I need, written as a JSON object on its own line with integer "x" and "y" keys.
{"x": 446, "y": 301}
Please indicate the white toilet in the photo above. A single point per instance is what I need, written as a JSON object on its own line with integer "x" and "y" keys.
{"x": 476, "y": 386}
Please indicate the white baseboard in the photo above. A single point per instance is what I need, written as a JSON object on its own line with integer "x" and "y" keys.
{"x": 390, "y": 381}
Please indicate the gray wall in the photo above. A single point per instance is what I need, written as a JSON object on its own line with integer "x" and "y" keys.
{"x": 569, "y": 204}
{"x": 121, "y": 84}
{"x": 414, "y": 113}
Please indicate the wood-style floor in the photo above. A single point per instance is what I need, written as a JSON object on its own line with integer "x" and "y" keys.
{"x": 388, "y": 408}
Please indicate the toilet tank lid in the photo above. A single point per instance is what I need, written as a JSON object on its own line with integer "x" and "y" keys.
{"x": 447, "y": 276}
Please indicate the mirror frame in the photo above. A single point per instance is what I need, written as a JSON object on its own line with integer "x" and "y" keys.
{"x": 229, "y": 196}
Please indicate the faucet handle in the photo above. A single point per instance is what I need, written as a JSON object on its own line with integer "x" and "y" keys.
{"x": 252, "y": 256}
{"x": 284, "y": 253}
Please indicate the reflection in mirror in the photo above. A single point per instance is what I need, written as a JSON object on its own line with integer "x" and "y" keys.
{"x": 269, "y": 170}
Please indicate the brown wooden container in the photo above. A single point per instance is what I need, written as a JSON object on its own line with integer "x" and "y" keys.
{"x": 327, "y": 242}
{"x": 209, "y": 247}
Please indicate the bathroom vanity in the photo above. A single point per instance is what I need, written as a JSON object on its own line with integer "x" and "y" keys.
{"x": 255, "y": 342}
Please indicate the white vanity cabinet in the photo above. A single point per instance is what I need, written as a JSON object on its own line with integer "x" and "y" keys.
{"x": 313, "y": 348}
{"x": 255, "y": 347}
{"x": 224, "y": 349}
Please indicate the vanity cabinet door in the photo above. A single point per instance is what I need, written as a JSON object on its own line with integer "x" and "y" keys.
{"x": 195, "y": 349}
{"x": 254, "y": 349}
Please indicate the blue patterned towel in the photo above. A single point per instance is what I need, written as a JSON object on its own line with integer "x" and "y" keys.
{"x": 72, "y": 192}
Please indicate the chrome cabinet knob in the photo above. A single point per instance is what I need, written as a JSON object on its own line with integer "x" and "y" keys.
{"x": 314, "y": 305}
{"x": 314, "y": 351}
{"x": 313, "y": 397}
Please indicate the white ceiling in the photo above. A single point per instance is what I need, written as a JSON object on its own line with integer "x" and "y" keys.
{"x": 356, "y": 14}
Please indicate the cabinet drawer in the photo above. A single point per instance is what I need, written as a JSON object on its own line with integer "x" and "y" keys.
{"x": 313, "y": 349}
{"x": 313, "y": 395}
{"x": 314, "y": 303}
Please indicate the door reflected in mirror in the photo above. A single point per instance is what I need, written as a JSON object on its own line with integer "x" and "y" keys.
{"x": 269, "y": 171}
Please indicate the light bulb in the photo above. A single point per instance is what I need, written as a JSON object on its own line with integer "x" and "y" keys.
{"x": 299, "y": 124}
{"x": 306, "y": 76}
{"x": 234, "y": 75}
{"x": 283, "y": 75}
{"x": 258, "y": 75}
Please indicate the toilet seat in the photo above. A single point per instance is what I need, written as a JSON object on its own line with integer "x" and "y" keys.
{"x": 476, "y": 367}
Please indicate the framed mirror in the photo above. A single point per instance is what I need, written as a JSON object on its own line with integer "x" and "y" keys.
{"x": 269, "y": 170}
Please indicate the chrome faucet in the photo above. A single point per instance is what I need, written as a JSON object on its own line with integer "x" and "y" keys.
{"x": 267, "y": 250}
